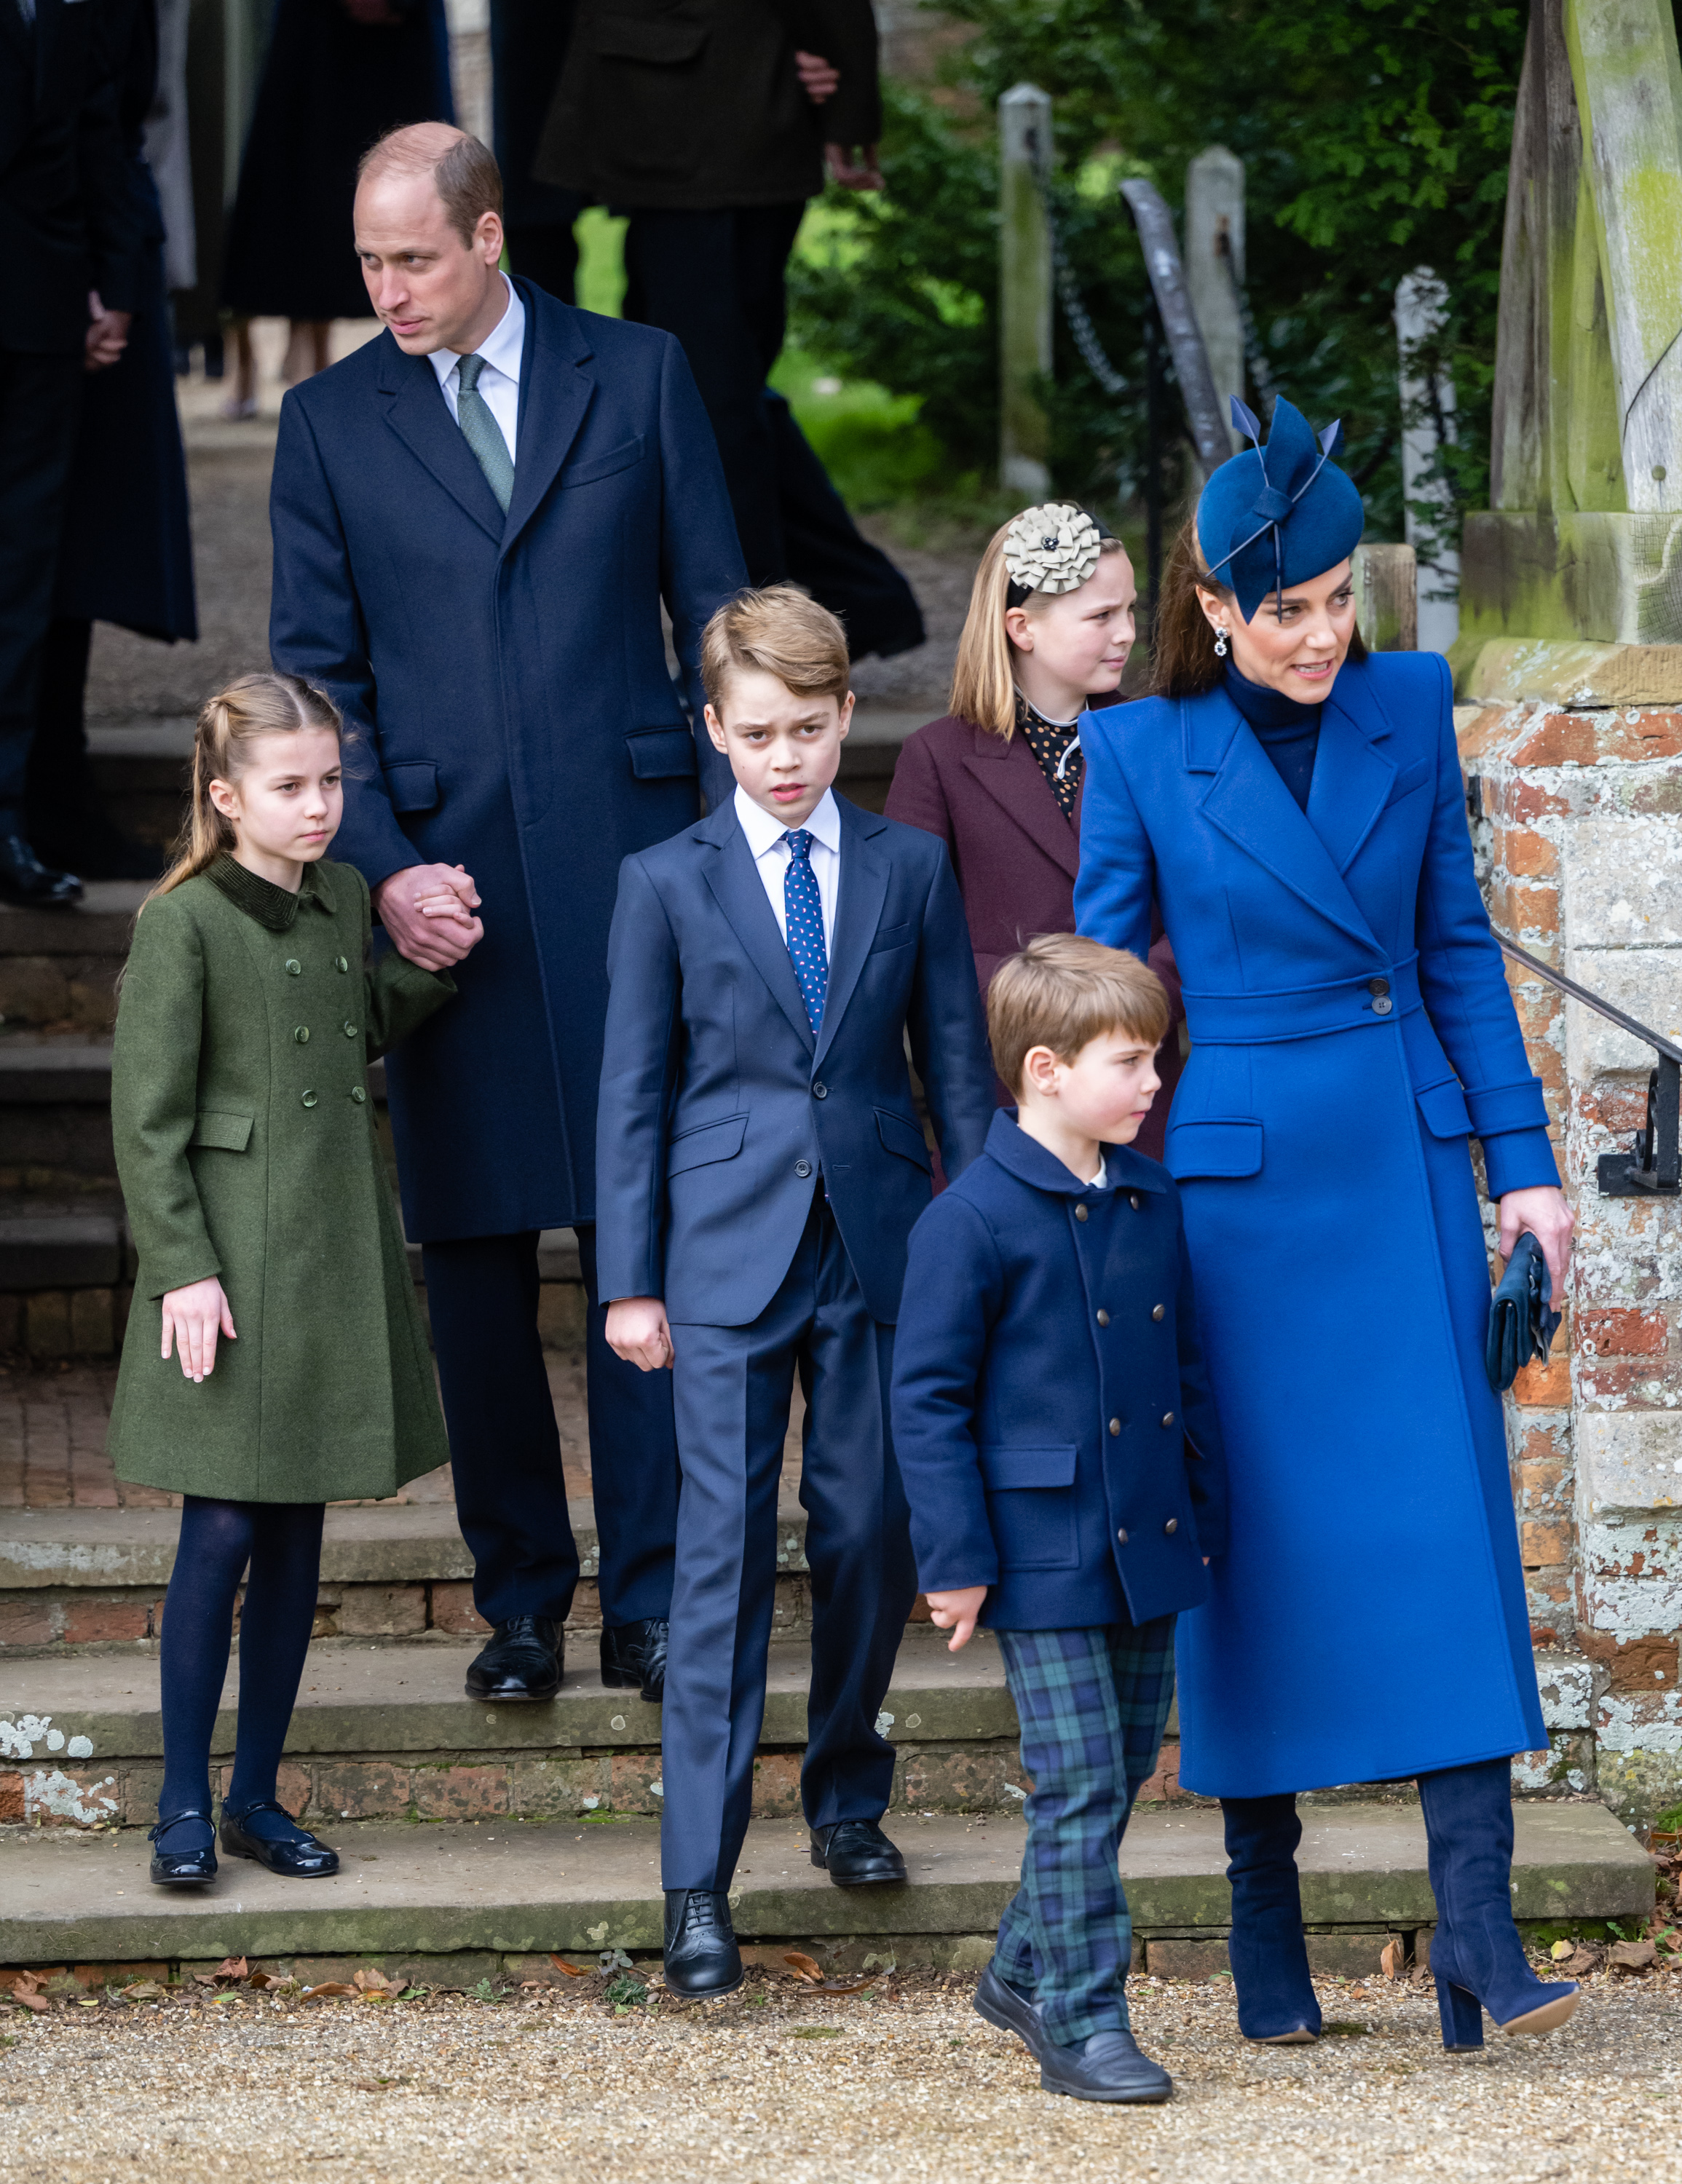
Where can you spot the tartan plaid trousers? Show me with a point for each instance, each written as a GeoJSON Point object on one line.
{"type": "Point", "coordinates": [1091, 1704]}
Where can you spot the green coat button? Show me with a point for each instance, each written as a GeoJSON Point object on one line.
{"type": "Point", "coordinates": [349, 1028]}
{"type": "Point", "coordinates": [294, 968]}
{"type": "Point", "coordinates": [309, 1099]}
{"type": "Point", "coordinates": [357, 1094]}
{"type": "Point", "coordinates": [301, 1034]}
{"type": "Point", "coordinates": [340, 963]}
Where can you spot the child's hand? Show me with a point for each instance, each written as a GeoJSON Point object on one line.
{"type": "Point", "coordinates": [638, 1331]}
{"type": "Point", "coordinates": [192, 1319]}
{"type": "Point", "coordinates": [956, 1612]}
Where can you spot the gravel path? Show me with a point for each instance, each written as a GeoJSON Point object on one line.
{"type": "Point", "coordinates": [905, 2083]}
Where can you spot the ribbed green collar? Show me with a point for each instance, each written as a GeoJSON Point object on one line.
{"type": "Point", "coordinates": [272, 906]}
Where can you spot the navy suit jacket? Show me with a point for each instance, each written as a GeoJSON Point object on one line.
{"type": "Point", "coordinates": [507, 683]}
{"type": "Point", "coordinates": [1052, 1416]}
{"type": "Point", "coordinates": [719, 1107]}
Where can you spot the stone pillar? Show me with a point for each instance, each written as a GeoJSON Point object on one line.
{"type": "Point", "coordinates": [1024, 291]}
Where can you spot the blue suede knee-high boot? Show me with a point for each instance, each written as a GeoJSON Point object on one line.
{"type": "Point", "coordinates": [1269, 1957]}
{"type": "Point", "coordinates": [1476, 1954]}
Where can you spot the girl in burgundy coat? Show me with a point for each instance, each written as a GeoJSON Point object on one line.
{"type": "Point", "coordinates": [998, 777]}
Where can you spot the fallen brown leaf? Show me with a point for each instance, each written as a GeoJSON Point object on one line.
{"type": "Point", "coordinates": [842, 1987]}
{"type": "Point", "coordinates": [231, 1968]}
{"type": "Point", "coordinates": [28, 1996]}
{"type": "Point", "coordinates": [572, 1971]}
{"type": "Point", "coordinates": [1390, 1959]}
{"type": "Point", "coordinates": [260, 1980]}
{"type": "Point", "coordinates": [327, 1989]}
{"type": "Point", "coordinates": [1632, 1956]}
{"type": "Point", "coordinates": [143, 1990]}
{"type": "Point", "coordinates": [803, 1966]}
{"type": "Point", "coordinates": [1584, 1958]}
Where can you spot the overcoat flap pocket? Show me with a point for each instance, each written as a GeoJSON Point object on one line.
{"type": "Point", "coordinates": [661, 754]}
{"type": "Point", "coordinates": [903, 1137]}
{"type": "Point", "coordinates": [1443, 1107]}
{"type": "Point", "coordinates": [230, 1133]}
{"type": "Point", "coordinates": [1229, 1146]}
{"type": "Point", "coordinates": [412, 784]}
{"type": "Point", "coordinates": [1008, 1467]}
{"type": "Point", "coordinates": [600, 467]}
{"type": "Point", "coordinates": [705, 1142]}
{"type": "Point", "coordinates": [664, 41]}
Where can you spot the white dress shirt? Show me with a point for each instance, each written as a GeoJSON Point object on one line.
{"type": "Point", "coordinates": [499, 380]}
{"type": "Point", "coordinates": [770, 852]}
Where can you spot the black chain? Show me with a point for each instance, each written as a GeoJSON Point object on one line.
{"type": "Point", "coordinates": [1068, 289]}
{"type": "Point", "coordinates": [1261, 373]}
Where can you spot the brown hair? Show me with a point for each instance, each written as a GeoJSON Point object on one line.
{"type": "Point", "coordinates": [782, 632]}
{"type": "Point", "coordinates": [464, 171]}
{"type": "Point", "coordinates": [228, 725]}
{"type": "Point", "coordinates": [984, 677]}
{"type": "Point", "coordinates": [1063, 990]}
{"type": "Point", "coordinates": [1183, 657]}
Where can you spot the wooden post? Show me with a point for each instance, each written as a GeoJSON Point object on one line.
{"type": "Point", "coordinates": [1024, 291]}
{"type": "Point", "coordinates": [1155, 225]}
{"type": "Point", "coordinates": [1214, 268]}
{"type": "Point", "coordinates": [1386, 598]}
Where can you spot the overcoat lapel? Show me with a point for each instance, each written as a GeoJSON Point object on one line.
{"type": "Point", "coordinates": [420, 416]}
{"type": "Point", "coordinates": [858, 912]}
{"type": "Point", "coordinates": [1003, 769]}
{"type": "Point", "coordinates": [1252, 807]}
{"type": "Point", "coordinates": [1352, 780]}
{"type": "Point", "coordinates": [555, 389]}
{"type": "Point", "coordinates": [740, 894]}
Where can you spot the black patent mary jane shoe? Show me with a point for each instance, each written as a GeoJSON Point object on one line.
{"type": "Point", "coordinates": [182, 1868]}
{"type": "Point", "coordinates": [297, 1857]}
{"type": "Point", "coordinates": [633, 1657]}
{"type": "Point", "coordinates": [523, 1661]}
{"type": "Point", "coordinates": [856, 1854]}
{"type": "Point", "coordinates": [701, 1960]}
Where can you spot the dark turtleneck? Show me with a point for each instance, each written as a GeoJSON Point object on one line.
{"type": "Point", "coordinates": [1289, 732]}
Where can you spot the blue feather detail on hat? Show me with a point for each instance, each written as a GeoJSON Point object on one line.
{"type": "Point", "coordinates": [1274, 518]}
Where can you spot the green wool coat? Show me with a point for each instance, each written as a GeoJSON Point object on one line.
{"type": "Point", "coordinates": [246, 1146]}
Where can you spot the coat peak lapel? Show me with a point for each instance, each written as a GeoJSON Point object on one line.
{"type": "Point", "coordinates": [858, 912]}
{"type": "Point", "coordinates": [1352, 778]}
{"type": "Point", "coordinates": [555, 390]}
{"type": "Point", "coordinates": [420, 416]}
{"type": "Point", "coordinates": [1005, 777]}
{"type": "Point", "coordinates": [739, 892]}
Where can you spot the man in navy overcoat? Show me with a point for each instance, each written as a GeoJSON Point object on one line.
{"type": "Point", "coordinates": [476, 519]}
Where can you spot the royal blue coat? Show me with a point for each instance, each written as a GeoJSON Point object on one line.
{"type": "Point", "coordinates": [719, 1108]}
{"type": "Point", "coordinates": [1052, 1416]}
{"type": "Point", "coordinates": [507, 681]}
{"type": "Point", "coordinates": [1351, 1025]}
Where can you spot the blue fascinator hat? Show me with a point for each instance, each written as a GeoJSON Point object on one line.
{"type": "Point", "coordinates": [1275, 516]}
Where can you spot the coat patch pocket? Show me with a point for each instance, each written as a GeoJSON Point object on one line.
{"type": "Point", "coordinates": [412, 784]}
{"type": "Point", "coordinates": [1229, 1147]}
{"type": "Point", "coordinates": [1444, 1110]}
{"type": "Point", "coordinates": [706, 1143]}
{"type": "Point", "coordinates": [1030, 1500]}
{"type": "Point", "coordinates": [600, 467]}
{"type": "Point", "coordinates": [662, 754]}
{"type": "Point", "coordinates": [904, 1138]}
{"type": "Point", "coordinates": [229, 1133]}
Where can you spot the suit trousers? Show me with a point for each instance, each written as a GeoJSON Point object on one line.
{"type": "Point", "coordinates": [504, 1447]}
{"type": "Point", "coordinates": [716, 280]}
{"type": "Point", "coordinates": [40, 402]}
{"type": "Point", "coordinates": [732, 1387]}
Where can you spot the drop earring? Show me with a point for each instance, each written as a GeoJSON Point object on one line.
{"type": "Point", "coordinates": [1220, 640]}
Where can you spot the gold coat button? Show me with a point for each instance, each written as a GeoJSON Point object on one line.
{"type": "Point", "coordinates": [357, 1094]}
{"type": "Point", "coordinates": [1114, 1425]}
{"type": "Point", "coordinates": [1080, 1213]}
{"type": "Point", "coordinates": [294, 968]}
{"type": "Point", "coordinates": [1172, 1526]}
{"type": "Point", "coordinates": [349, 1028]}
{"type": "Point", "coordinates": [301, 1034]}
{"type": "Point", "coordinates": [1103, 1316]}
{"type": "Point", "coordinates": [1167, 1418]}
{"type": "Point", "coordinates": [309, 1099]}
{"type": "Point", "coordinates": [1158, 1311]}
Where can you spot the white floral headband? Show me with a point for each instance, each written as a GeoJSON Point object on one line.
{"type": "Point", "coordinates": [1052, 549]}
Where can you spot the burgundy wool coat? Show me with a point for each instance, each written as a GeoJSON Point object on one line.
{"type": "Point", "coordinates": [1016, 856]}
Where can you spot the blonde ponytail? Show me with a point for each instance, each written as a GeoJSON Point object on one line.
{"type": "Point", "coordinates": [228, 724]}
{"type": "Point", "coordinates": [983, 680]}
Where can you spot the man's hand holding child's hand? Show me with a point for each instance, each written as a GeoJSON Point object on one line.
{"type": "Point", "coordinates": [638, 1331]}
{"type": "Point", "coordinates": [956, 1612]}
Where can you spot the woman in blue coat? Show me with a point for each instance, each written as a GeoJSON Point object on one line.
{"type": "Point", "coordinates": [1296, 808]}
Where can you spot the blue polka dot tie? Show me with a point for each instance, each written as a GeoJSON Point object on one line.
{"type": "Point", "coordinates": [802, 913]}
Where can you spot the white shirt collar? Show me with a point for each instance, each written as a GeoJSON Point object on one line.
{"type": "Point", "coordinates": [502, 347]}
{"type": "Point", "coordinates": [765, 830]}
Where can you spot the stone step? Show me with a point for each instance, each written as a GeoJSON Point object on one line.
{"type": "Point", "coordinates": [444, 1900]}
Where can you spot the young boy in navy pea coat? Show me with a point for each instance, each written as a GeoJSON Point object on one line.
{"type": "Point", "coordinates": [1061, 1453]}
{"type": "Point", "coordinates": [760, 1168]}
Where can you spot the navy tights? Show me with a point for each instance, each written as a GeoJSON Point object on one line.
{"type": "Point", "coordinates": [281, 1541]}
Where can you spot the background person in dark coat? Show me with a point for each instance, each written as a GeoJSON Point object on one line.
{"type": "Point", "coordinates": [127, 550]}
{"type": "Point", "coordinates": [711, 125]}
{"type": "Point", "coordinates": [999, 778]}
{"type": "Point", "coordinates": [528, 49]}
{"type": "Point", "coordinates": [70, 242]}
{"type": "Point", "coordinates": [491, 625]}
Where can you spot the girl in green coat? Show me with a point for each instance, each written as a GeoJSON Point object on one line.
{"type": "Point", "coordinates": [275, 1358]}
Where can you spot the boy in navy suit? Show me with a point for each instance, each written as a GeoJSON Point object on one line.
{"type": "Point", "coordinates": [760, 1168]}
{"type": "Point", "coordinates": [1059, 1446]}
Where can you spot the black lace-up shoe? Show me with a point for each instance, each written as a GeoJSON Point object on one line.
{"type": "Point", "coordinates": [24, 880]}
{"type": "Point", "coordinates": [1105, 2067]}
{"type": "Point", "coordinates": [523, 1661]}
{"type": "Point", "coordinates": [702, 1959]}
{"type": "Point", "coordinates": [856, 1854]}
{"type": "Point", "coordinates": [297, 1856]}
{"type": "Point", "coordinates": [633, 1657]}
{"type": "Point", "coordinates": [184, 1868]}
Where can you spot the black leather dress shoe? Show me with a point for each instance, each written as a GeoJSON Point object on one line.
{"type": "Point", "coordinates": [298, 1857]}
{"type": "Point", "coordinates": [857, 1854]}
{"type": "Point", "coordinates": [185, 1868]}
{"type": "Point", "coordinates": [1009, 2009]}
{"type": "Point", "coordinates": [702, 1959]}
{"type": "Point", "coordinates": [523, 1661]}
{"type": "Point", "coordinates": [634, 1655]}
{"type": "Point", "coordinates": [1106, 2067]}
{"type": "Point", "coordinates": [26, 881]}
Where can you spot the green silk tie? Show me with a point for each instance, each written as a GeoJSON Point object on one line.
{"type": "Point", "coordinates": [482, 433]}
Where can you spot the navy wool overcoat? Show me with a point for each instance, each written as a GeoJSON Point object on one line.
{"type": "Point", "coordinates": [507, 680]}
{"type": "Point", "coordinates": [1350, 1026]}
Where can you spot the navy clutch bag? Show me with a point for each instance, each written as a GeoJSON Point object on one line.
{"type": "Point", "coordinates": [1521, 1326]}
